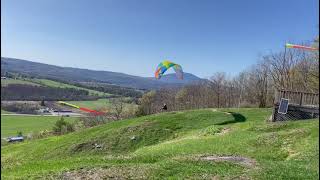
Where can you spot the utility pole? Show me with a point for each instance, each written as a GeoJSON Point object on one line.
{"type": "Point", "coordinates": [283, 66]}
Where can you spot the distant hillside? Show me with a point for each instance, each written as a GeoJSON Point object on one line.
{"type": "Point", "coordinates": [41, 70]}
{"type": "Point", "coordinates": [49, 83]}
{"type": "Point", "coordinates": [172, 79]}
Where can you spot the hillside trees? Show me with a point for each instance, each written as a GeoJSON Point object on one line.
{"type": "Point", "coordinates": [257, 84]}
{"type": "Point", "coordinates": [217, 84]}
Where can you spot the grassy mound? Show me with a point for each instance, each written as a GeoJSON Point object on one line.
{"type": "Point", "coordinates": [170, 145]}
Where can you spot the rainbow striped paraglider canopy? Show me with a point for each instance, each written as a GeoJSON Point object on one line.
{"type": "Point", "coordinates": [164, 66]}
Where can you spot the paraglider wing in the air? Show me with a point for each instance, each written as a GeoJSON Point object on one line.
{"type": "Point", "coordinates": [165, 65]}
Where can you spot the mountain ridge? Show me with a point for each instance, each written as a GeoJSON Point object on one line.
{"type": "Point", "coordinates": [86, 75]}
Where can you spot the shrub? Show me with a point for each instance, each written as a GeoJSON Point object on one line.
{"type": "Point", "coordinates": [78, 125]}
{"type": "Point", "coordinates": [42, 103]}
{"type": "Point", "coordinates": [93, 120]}
{"type": "Point", "coordinates": [140, 112]}
{"type": "Point", "coordinates": [63, 127]}
{"type": "Point", "coordinates": [40, 134]}
{"type": "Point", "coordinates": [130, 111]}
{"type": "Point", "coordinates": [19, 134]}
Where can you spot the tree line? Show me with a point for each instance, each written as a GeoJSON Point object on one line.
{"type": "Point", "coordinates": [290, 69]}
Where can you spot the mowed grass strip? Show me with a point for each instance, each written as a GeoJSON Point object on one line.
{"type": "Point", "coordinates": [11, 124]}
{"type": "Point", "coordinates": [51, 83]}
{"type": "Point", "coordinates": [5, 82]}
{"type": "Point", "coordinates": [168, 146]}
{"type": "Point", "coordinates": [100, 103]}
{"type": "Point", "coordinates": [5, 112]}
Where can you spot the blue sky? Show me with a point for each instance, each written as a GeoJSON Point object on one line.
{"type": "Point", "coordinates": [133, 36]}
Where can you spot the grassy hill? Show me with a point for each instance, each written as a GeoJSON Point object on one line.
{"type": "Point", "coordinates": [173, 145]}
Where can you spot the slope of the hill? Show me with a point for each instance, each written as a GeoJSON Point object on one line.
{"type": "Point", "coordinates": [174, 145]}
{"type": "Point", "coordinates": [85, 75]}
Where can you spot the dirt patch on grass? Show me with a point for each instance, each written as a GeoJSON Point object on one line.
{"type": "Point", "coordinates": [291, 154]}
{"type": "Point", "coordinates": [138, 127]}
{"type": "Point", "coordinates": [224, 131]}
{"type": "Point", "coordinates": [107, 173]}
{"type": "Point", "coordinates": [86, 146]}
{"type": "Point", "coordinates": [234, 159]}
{"type": "Point", "coordinates": [214, 130]}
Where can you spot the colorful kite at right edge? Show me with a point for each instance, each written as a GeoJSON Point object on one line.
{"type": "Point", "coordinates": [300, 47]}
{"type": "Point", "coordinates": [164, 66]}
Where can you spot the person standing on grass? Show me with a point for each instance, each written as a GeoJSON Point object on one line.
{"type": "Point", "coordinates": [164, 107]}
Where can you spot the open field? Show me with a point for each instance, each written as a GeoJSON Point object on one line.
{"type": "Point", "coordinates": [5, 82]}
{"type": "Point", "coordinates": [49, 83]}
{"type": "Point", "coordinates": [11, 125]}
{"type": "Point", "coordinates": [5, 112]}
{"type": "Point", "coordinates": [174, 145]}
{"type": "Point", "coordinates": [100, 103]}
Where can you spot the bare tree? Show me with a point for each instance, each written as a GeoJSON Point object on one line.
{"type": "Point", "coordinates": [217, 83]}
{"type": "Point", "coordinates": [147, 103]}
{"type": "Point", "coordinates": [117, 106]}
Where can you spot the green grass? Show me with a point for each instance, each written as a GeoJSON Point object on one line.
{"type": "Point", "coordinates": [167, 146]}
{"type": "Point", "coordinates": [51, 83]}
{"type": "Point", "coordinates": [5, 82]}
{"type": "Point", "coordinates": [100, 103]}
{"type": "Point", "coordinates": [5, 112]}
{"type": "Point", "coordinates": [11, 125]}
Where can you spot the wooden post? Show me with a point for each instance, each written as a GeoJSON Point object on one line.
{"type": "Point", "coordinates": [301, 96]}
{"type": "Point", "coordinates": [273, 116]}
{"type": "Point", "coordinates": [312, 99]}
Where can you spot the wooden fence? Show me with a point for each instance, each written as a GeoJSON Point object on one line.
{"type": "Point", "coordinates": [302, 105]}
{"type": "Point", "coordinates": [298, 98]}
